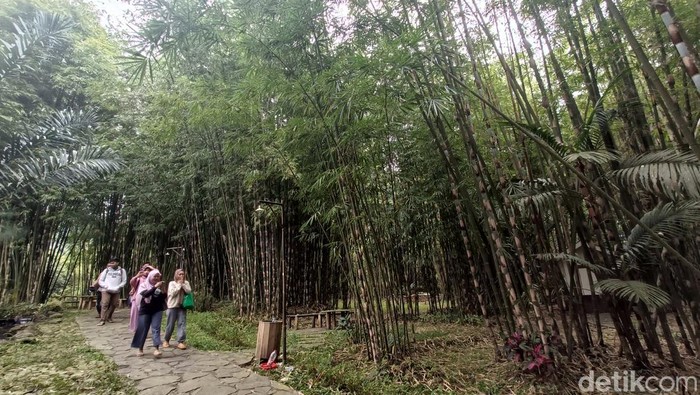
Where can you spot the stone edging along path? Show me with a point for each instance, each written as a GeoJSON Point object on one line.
{"type": "Point", "coordinates": [176, 371]}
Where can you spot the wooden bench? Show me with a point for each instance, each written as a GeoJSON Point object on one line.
{"type": "Point", "coordinates": [70, 301]}
{"type": "Point", "coordinates": [331, 317]}
{"type": "Point", "coordinates": [87, 302]}
{"type": "Point", "coordinates": [294, 318]}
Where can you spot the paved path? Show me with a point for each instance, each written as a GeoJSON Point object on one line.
{"type": "Point", "coordinates": [176, 371]}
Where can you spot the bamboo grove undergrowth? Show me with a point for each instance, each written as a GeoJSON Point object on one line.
{"type": "Point", "coordinates": [532, 162]}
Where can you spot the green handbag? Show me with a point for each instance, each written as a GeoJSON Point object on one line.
{"type": "Point", "coordinates": [188, 301]}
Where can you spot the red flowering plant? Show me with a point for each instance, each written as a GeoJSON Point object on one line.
{"type": "Point", "coordinates": [529, 352]}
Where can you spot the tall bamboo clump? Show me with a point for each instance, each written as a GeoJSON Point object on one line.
{"type": "Point", "coordinates": [510, 161]}
{"type": "Point", "coordinates": [554, 179]}
{"type": "Point", "coordinates": [423, 145]}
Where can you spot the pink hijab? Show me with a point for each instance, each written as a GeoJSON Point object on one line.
{"type": "Point", "coordinates": [147, 285]}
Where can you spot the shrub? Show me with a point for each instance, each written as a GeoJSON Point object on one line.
{"type": "Point", "coordinates": [529, 351]}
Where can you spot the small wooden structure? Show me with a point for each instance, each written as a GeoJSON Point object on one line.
{"type": "Point", "coordinates": [294, 319]}
{"type": "Point", "coordinates": [87, 302]}
{"type": "Point", "coordinates": [71, 302]}
{"type": "Point", "coordinates": [329, 317]}
{"type": "Point", "coordinates": [269, 336]}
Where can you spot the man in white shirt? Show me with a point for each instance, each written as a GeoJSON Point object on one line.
{"type": "Point", "coordinates": [111, 280]}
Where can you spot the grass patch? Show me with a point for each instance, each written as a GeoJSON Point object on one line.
{"type": "Point", "coordinates": [446, 358]}
{"type": "Point", "coordinates": [429, 334]}
{"type": "Point", "coordinates": [218, 330]}
{"type": "Point", "coordinates": [337, 367]}
{"type": "Point", "coordinates": [58, 361]}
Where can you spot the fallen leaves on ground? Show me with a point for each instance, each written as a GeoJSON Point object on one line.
{"type": "Point", "coordinates": [58, 361]}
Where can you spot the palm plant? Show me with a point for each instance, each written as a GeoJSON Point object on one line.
{"type": "Point", "coordinates": [42, 148]}
{"type": "Point", "coordinates": [641, 277]}
{"type": "Point", "coordinates": [51, 154]}
{"type": "Point", "coordinates": [51, 149]}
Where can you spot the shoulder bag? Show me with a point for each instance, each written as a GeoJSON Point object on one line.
{"type": "Point", "coordinates": [188, 301]}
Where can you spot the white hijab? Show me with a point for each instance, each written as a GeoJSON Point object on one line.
{"type": "Point", "coordinates": [147, 285]}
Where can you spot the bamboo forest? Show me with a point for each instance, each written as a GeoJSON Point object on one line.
{"type": "Point", "coordinates": [495, 196]}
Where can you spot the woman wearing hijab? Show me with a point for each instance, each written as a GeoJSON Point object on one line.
{"type": "Point", "coordinates": [176, 313]}
{"type": "Point", "coordinates": [153, 298]}
{"type": "Point", "coordinates": [135, 296]}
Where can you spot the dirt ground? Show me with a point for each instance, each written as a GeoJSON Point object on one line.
{"type": "Point", "coordinates": [461, 359]}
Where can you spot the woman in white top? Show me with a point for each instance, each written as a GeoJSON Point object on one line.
{"type": "Point", "coordinates": [176, 293]}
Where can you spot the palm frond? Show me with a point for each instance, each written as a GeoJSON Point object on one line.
{"type": "Point", "coordinates": [597, 119]}
{"type": "Point", "coordinates": [543, 133]}
{"type": "Point", "coordinates": [598, 157]}
{"type": "Point", "coordinates": [541, 200]}
{"type": "Point", "coordinates": [669, 221]}
{"type": "Point", "coordinates": [635, 291]}
{"type": "Point", "coordinates": [85, 164]}
{"type": "Point", "coordinates": [668, 173]}
{"type": "Point", "coordinates": [59, 167]}
{"type": "Point", "coordinates": [574, 259]}
{"type": "Point", "coordinates": [46, 29]}
{"type": "Point", "coordinates": [62, 129]}
{"type": "Point", "coordinates": [591, 137]}
{"type": "Point", "coordinates": [69, 122]}
{"type": "Point", "coordinates": [542, 193]}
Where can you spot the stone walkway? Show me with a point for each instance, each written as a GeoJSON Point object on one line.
{"type": "Point", "coordinates": [176, 371]}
